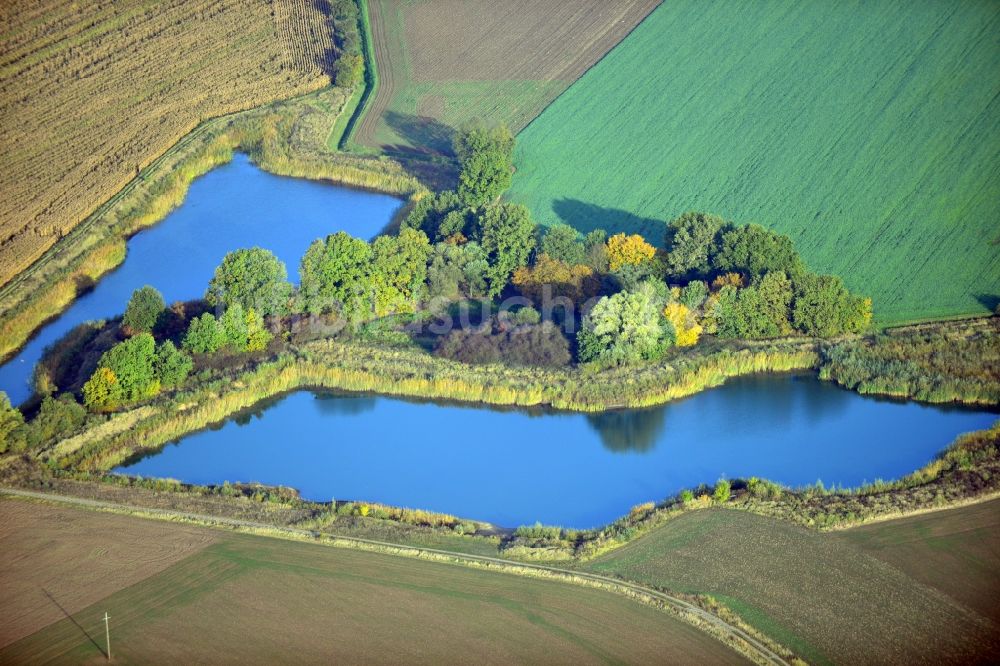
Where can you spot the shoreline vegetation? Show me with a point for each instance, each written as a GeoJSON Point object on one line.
{"type": "Point", "coordinates": [966, 471]}
{"type": "Point", "coordinates": [285, 138]}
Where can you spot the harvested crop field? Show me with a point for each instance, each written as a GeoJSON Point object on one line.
{"type": "Point", "coordinates": [90, 92]}
{"type": "Point", "coordinates": [819, 594]}
{"type": "Point", "coordinates": [442, 62]}
{"type": "Point", "coordinates": [55, 558]}
{"type": "Point", "coordinates": [258, 599]}
{"type": "Point", "coordinates": [955, 551]}
{"type": "Point", "coordinates": [868, 132]}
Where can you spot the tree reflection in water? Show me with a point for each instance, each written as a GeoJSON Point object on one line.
{"type": "Point", "coordinates": [629, 431]}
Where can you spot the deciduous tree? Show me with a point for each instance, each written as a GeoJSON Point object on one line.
{"type": "Point", "coordinates": [254, 278]}
{"type": "Point", "coordinates": [144, 310]}
{"type": "Point", "coordinates": [628, 251]}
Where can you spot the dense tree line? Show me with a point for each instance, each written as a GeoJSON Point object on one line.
{"type": "Point", "coordinates": [632, 301]}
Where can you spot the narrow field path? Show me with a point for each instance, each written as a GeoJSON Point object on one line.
{"type": "Point", "coordinates": [365, 131]}
{"type": "Point", "coordinates": [762, 652]}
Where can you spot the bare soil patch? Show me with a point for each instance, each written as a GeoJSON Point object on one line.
{"type": "Point", "coordinates": [58, 560]}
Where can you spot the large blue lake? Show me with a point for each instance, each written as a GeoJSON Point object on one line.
{"type": "Point", "coordinates": [234, 206]}
{"type": "Point", "coordinates": [516, 467]}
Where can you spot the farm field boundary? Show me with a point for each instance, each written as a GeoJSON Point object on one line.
{"type": "Point", "coordinates": [734, 636]}
{"type": "Point", "coordinates": [875, 153]}
{"type": "Point", "coordinates": [441, 64]}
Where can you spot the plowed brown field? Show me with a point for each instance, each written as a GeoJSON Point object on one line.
{"type": "Point", "coordinates": [56, 560]}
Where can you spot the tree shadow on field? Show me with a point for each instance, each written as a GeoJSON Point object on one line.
{"type": "Point", "coordinates": [75, 623]}
{"type": "Point", "coordinates": [989, 301]}
{"type": "Point", "coordinates": [586, 217]}
{"type": "Point", "coordinates": [427, 136]}
{"type": "Point", "coordinates": [428, 156]}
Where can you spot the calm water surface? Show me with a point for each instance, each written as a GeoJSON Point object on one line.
{"type": "Point", "coordinates": [515, 467]}
{"type": "Point", "coordinates": [234, 206]}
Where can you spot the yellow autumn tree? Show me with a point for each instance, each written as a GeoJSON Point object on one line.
{"type": "Point", "coordinates": [628, 250]}
{"type": "Point", "coordinates": [575, 282]}
{"type": "Point", "coordinates": [727, 280]}
{"type": "Point", "coordinates": [686, 325]}
{"type": "Point", "coordinates": [102, 392]}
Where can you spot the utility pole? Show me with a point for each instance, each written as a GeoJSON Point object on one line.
{"type": "Point", "coordinates": [107, 634]}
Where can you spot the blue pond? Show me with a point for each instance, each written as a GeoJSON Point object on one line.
{"type": "Point", "coordinates": [234, 206]}
{"type": "Point", "coordinates": [517, 467]}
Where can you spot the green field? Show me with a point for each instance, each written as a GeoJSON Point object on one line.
{"type": "Point", "coordinates": [231, 598]}
{"type": "Point", "coordinates": [867, 131]}
{"type": "Point", "coordinates": [836, 598]}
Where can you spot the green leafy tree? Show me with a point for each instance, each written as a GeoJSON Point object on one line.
{"type": "Point", "coordinates": [254, 278]}
{"type": "Point", "coordinates": [722, 491]}
{"type": "Point", "coordinates": [694, 294]}
{"type": "Point", "coordinates": [11, 423]}
{"type": "Point", "coordinates": [349, 70]}
{"type": "Point", "coordinates": [133, 365]}
{"type": "Point", "coordinates": [144, 310]}
{"type": "Point", "coordinates": [754, 250]}
{"type": "Point", "coordinates": [428, 215]}
{"type": "Point", "coordinates": [758, 311]}
{"type": "Point", "coordinates": [335, 276]}
{"type": "Point", "coordinates": [57, 419]}
{"type": "Point", "coordinates": [626, 327]}
{"type": "Point", "coordinates": [456, 270]}
{"type": "Point", "coordinates": [399, 270]}
{"type": "Point", "coordinates": [172, 366]}
{"type": "Point", "coordinates": [486, 158]}
{"type": "Point", "coordinates": [823, 307]}
{"type": "Point", "coordinates": [234, 326]}
{"type": "Point", "coordinates": [507, 236]}
{"type": "Point", "coordinates": [562, 242]}
{"type": "Point", "coordinates": [691, 240]}
{"type": "Point", "coordinates": [204, 335]}
{"type": "Point", "coordinates": [595, 245]}
{"type": "Point", "coordinates": [258, 337]}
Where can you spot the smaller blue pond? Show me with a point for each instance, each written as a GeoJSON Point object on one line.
{"type": "Point", "coordinates": [516, 467]}
{"type": "Point", "coordinates": [234, 206]}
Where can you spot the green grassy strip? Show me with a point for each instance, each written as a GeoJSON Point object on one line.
{"type": "Point", "coordinates": [338, 133]}
{"type": "Point", "coordinates": [371, 77]}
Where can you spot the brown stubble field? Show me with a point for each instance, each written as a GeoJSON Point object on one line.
{"type": "Point", "coordinates": [442, 62]}
{"type": "Point", "coordinates": [249, 598]}
{"type": "Point", "coordinates": [92, 91]}
{"type": "Point", "coordinates": [821, 594]}
{"type": "Point", "coordinates": [956, 552]}
{"type": "Point", "coordinates": [54, 559]}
